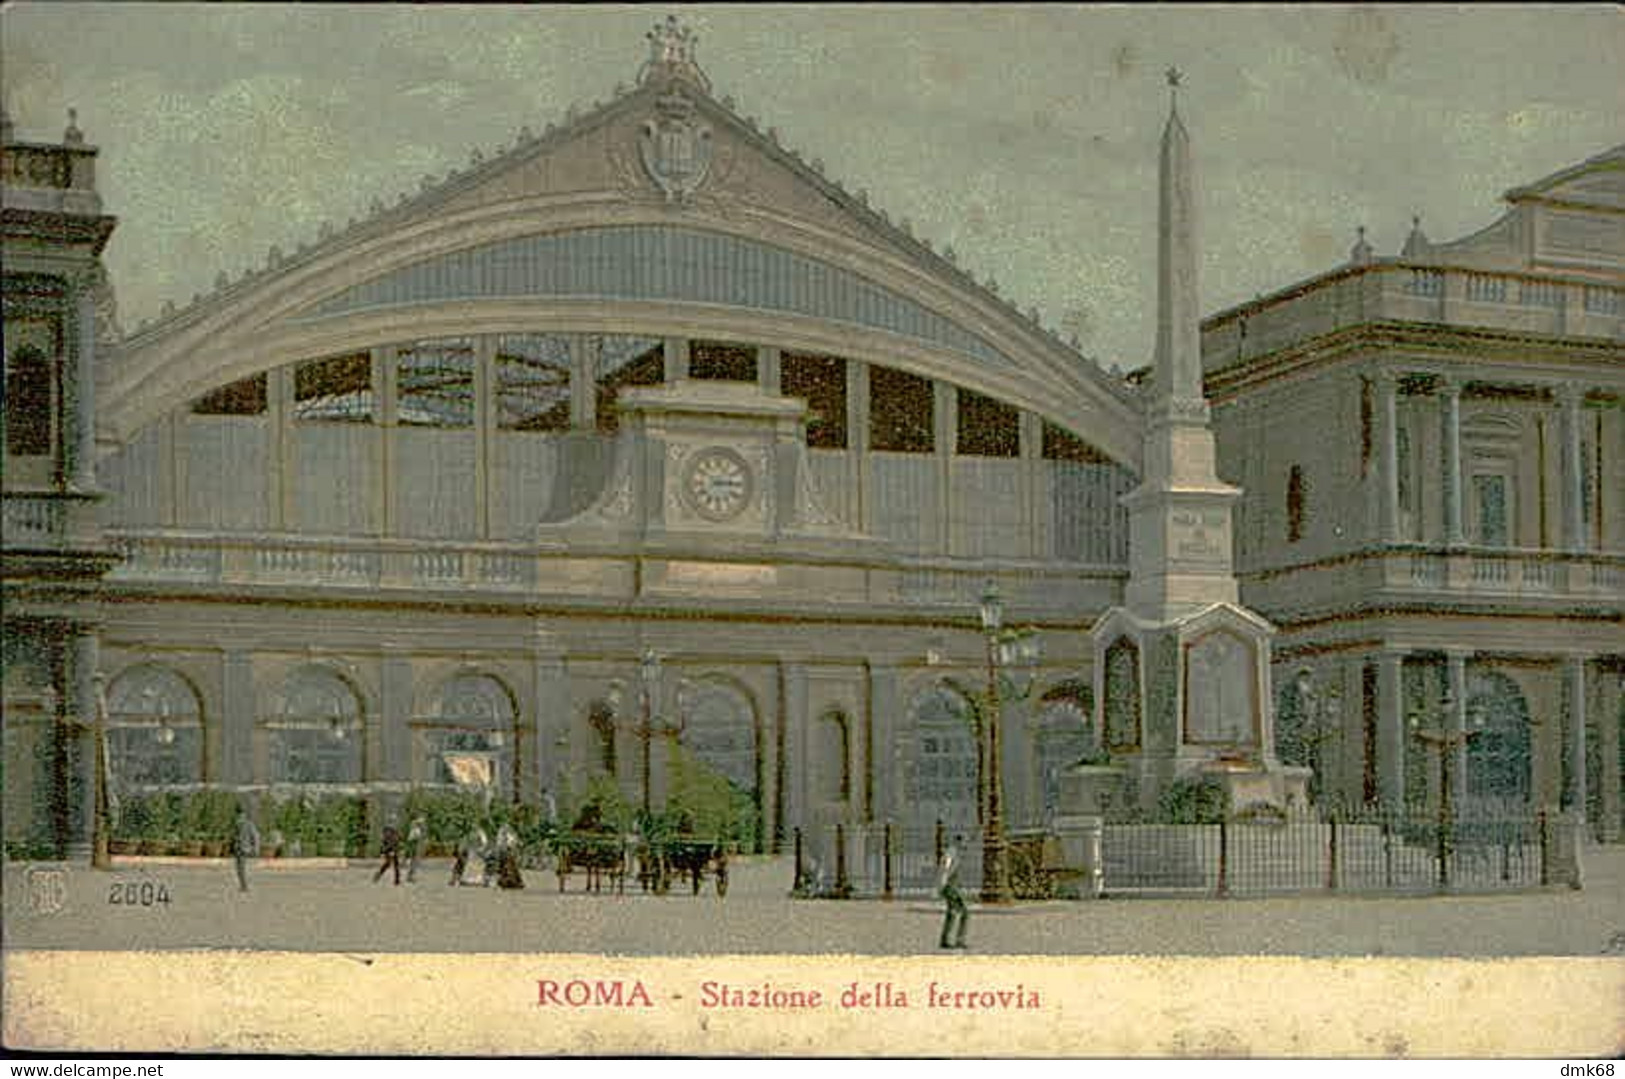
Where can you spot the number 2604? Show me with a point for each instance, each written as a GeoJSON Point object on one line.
{"type": "Point", "coordinates": [129, 893]}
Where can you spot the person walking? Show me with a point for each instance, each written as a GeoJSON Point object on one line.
{"type": "Point", "coordinates": [391, 852]}
{"type": "Point", "coordinates": [508, 873]}
{"type": "Point", "coordinates": [416, 836]}
{"type": "Point", "coordinates": [245, 844]}
{"type": "Point", "coordinates": [472, 844]}
{"type": "Point", "coordinates": [955, 917]}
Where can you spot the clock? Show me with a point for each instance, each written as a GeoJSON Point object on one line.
{"type": "Point", "coordinates": [717, 483]}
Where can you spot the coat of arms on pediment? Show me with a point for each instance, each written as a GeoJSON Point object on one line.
{"type": "Point", "coordinates": [676, 147]}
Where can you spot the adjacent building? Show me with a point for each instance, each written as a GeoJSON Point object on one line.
{"type": "Point", "coordinates": [1432, 450]}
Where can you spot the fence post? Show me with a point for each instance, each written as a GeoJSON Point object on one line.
{"type": "Point", "coordinates": [1387, 850]}
{"type": "Point", "coordinates": [937, 850]}
{"type": "Point", "coordinates": [796, 887]}
{"type": "Point", "coordinates": [886, 890]}
{"type": "Point", "coordinates": [1331, 865]}
{"type": "Point", "coordinates": [1545, 848]}
{"type": "Point", "coordinates": [1224, 857]}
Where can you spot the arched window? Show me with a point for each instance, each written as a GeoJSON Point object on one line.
{"type": "Point", "coordinates": [720, 729]}
{"type": "Point", "coordinates": [467, 738]}
{"type": "Point", "coordinates": [316, 735]}
{"type": "Point", "coordinates": [154, 729]}
{"type": "Point", "coordinates": [1062, 739]}
{"type": "Point", "coordinates": [835, 755]}
{"type": "Point", "coordinates": [1296, 508]}
{"type": "Point", "coordinates": [29, 415]}
{"type": "Point", "coordinates": [945, 761]}
{"type": "Point", "coordinates": [1498, 756]}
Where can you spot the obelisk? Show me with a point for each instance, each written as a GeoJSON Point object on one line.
{"type": "Point", "coordinates": [1182, 679]}
{"type": "Point", "coordinates": [1179, 516]}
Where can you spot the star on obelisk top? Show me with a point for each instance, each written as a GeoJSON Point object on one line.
{"type": "Point", "coordinates": [1177, 370]}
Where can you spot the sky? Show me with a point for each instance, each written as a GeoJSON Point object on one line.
{"type": "Point", "coordinates": [1025, 137]}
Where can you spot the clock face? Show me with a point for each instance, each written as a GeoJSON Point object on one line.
{"type": "Point", "coordinates": [717, 484]}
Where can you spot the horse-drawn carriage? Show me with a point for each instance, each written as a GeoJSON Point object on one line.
{"type": "Point", "coordinates": [664, 860]}
{"type": "Point", "coordinates": [602, 856]}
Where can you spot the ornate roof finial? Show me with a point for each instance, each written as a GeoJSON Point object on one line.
{"type": "Point", "coordinates": [73, 136]}
{"type": "Point", "coordinates": [1416, 244]}
{"type": "Point", "coordinates": [1360, 253]}
{"type": "Point", "coordinates": [1174, 76]}
{"type": "Point", "coordinates": [671, 55]}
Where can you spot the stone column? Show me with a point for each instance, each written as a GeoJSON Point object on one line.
{"type": "Point", "coordinates": [1569, 396]}
{"type": "Point", "coordinates": [1388, 455]}
{"type": "Point", "coordinates": [584, 351]}
{"type": "Point", "coordinates": [857, 440]}
{"type": "Point", "coordinates": [772, 758]}
{"type": "Point", "coordinates": [169, 455]}
{"type": "Point", "coordinates": [767, 369]}
{"type": "Point", "coordinates": [948, 533]}
{"type": "Point", "coordinates": [396, 707]}
{"type": "Point", "coordinates": [797, 758]}
{"type": "Point", "coordinates": [279, 458]}
{"type": "Point", "coordinates": [1032, 483]}
{"type": "Point", "coordinates": [1450, 407]}
{"type": "Point", "coordinates": [1574, 753]}
{"type": "Point", "coordinates": [1390, 730]}
{"type": "Point", "coordinates": [238, 712]}
{"type": "Point", "coordinates": [675, 357]}
{"type": "Point", "coordinates": [550, 702]}
{"type": "Point", "coordinates": [84, 460]}
{"type": "Point", "coordinates": [1455, 720]}
{"type": "Point", "coordinates": [385, 372]}
{"type": "Point", "coordinates": [86, 662]}
{"type": "Point", "coordinates": [884, 779]}
{"type": "Point", "coordinates": [485, 425]}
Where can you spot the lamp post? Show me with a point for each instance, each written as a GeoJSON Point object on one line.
{"type": "Point", "coordinates": [648, 727]}
{"type": "Point", "coordinates": [1005, 649]}
{"type": "Point", "coordinates": [1444, 743]}
{"type": "Point", "coordinates": [100, 857]}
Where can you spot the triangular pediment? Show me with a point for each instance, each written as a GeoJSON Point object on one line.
{"type": "Point", "coordinates": [661, 207]}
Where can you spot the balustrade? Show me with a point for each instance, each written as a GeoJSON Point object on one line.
{"type": "Point", "coordinates": [1486, 288]}
{"type": "Point", "coordinates": [35, 522]}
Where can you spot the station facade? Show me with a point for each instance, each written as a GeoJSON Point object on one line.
{"type": "Point", "coordinates": [649, 383]}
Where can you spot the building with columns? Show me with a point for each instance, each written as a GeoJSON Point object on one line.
{"type": "Point", "coordinates": [1432, 449]}
{"type": "Point", "coordinates": [433, 483]}
{"type": "Point", "coordinates": [57, 315]}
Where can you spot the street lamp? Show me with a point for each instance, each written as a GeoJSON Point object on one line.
{"type": "Point", "coordinates": [649, 727]}
{"type": "Point", "coordinates": [1008, 649]}
{"type": "Point", "coordinates": [1444, 743]}
{"type": "Point", "coordinates": [100, 856]}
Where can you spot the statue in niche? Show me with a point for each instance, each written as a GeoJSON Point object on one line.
{"type": "Point", "coordinates": [1122, 695]}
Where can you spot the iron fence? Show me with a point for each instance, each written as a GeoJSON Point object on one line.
{"type": "Point", "coordinates": [1410, 850]}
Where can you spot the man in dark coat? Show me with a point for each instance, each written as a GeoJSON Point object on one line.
{"type": "Point", "coordinates": [392, 852]}
{"type": "Point", "coordinates": [954, 919]}
{"type": "Point", "coordinates": [245, 844]}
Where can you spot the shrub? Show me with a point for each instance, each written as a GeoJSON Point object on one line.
{"type": "Point", "coordinates": [1193, 801]}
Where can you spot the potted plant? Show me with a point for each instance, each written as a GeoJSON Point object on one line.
{"type": "Point", "coordinates": [159, 835]}
{"type": "Point", "coordinates": [219, 822]}
{"type": "Point", "coordinates": [129, 827]}
{"type": "Point", "coordinates": [194, 817]}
